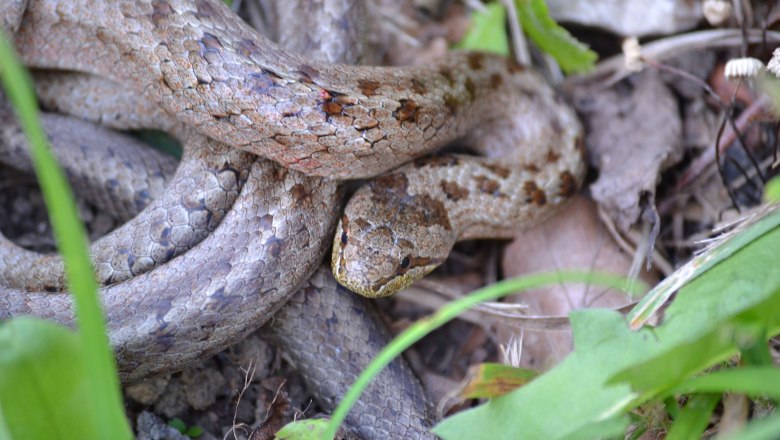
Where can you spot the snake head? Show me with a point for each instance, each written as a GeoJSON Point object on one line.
{"type": "Point", "coordinates": [384, 242]}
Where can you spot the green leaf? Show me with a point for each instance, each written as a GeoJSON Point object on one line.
{"type": "Point", "coordinates": [772, 191]}
{"type": "Point", "coordinates": [194, 432]}
{"type": "Point", "coordinates": [754, 381]}
{"type": "Point", "coordinates": [103, 399]}
{"type": "Point", "coordinates": [614, 369]}
{"type": "Point", "coordinates": [424, 326]}
{"type": "Point", "coordinates": [487, 31]}
{"type": "Point", "coordinates": [694, 417]}
{"type": "Point", "coordinates": [572, 55]}
{"type": "Point", "coordinates": [493, 380]}
{"type": "Point", "coordinates": [309, 429]}
{"type": "Point", "coordinates": [699, 265]}
{"type": "Point", "coordinates": [177, 424]}
{"type": "Point", "coordinates": [570, 397]}
{"type": "Point", "coordinates": [44, 383]}
{"type": "Point", "coordinates": [767, 428]}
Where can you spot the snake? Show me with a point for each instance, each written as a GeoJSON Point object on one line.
{"type": "Point", "coordinates": [320, 123]}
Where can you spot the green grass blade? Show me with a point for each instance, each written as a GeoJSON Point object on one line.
{"type": "Point", "coordinates": [5, 434]}
{"type": "Point", "coordinates": [450, 311]}
{"type": "Point", "coordinates": [700, 264]}
{"type": "Point", "coordinates": [772, 190]}
{"type": "Point", "coordinates": [694, 418]}
{"type": "Point", "coordinates": [72, 242]}
{"type": "Point", "coordinates": [754, 381]}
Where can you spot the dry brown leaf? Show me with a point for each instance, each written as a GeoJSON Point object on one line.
{"type": "Point", "coordinates": [573, 239]}
{"type": "Point", "coordinates": [634, 133]}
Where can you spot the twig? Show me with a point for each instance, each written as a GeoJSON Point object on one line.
{"type": "Point", "coordinates": [519, 44]}
{"type": "Point", "coordinates": [670, 47]}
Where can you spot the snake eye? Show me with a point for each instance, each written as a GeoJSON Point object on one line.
{"type": "Point", "coordinates": [343, 238]}
{"type": "Point", "coordinates": [405, 262]}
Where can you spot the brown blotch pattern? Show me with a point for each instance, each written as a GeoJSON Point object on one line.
{"type": "Point", "coordinates": [531, 167]}
{"type": "Point", "coordinates": [568, 184]}
{"type": "Point", "coordinates": [453, 190]}
{"type": "Point", "coordinates": [210, 43]}
{"type": "Point", "coordinates": [275, 246]}
{"type": "Point", "coordinates": [204, 10]}
{"type": "Point", "coordinates": [447, 76]}
{"type": "Point", "coordinates": [418, 87]}
{"type": "Point", "coordinates": [579, 143]}
{"type": "Point", "coordinates": [423, 210]}
{"type": "Point", "coordinates": [495, 81]}
{"type": "Point", "coordinates": [332, 108]}
{"type": "Point", "coordinates": [552, 156]}
{"type": "Point", "coordinates": [280, 173]}
{"type": "Point", "coordinates": [475, 60]}
{"type": "Point", "coordinates": [513, 66]}
{"type": "Point", "coordinates": [160, 10]}
{"type": "Point", "coordinates": [407, 111]}
{"type": "Point", "coordinates": [368, 87]}
{"type": "Point", "coordinates": [308, 73]}
{"type": "Point", "coordinates": [471, 89]}
{"type": "Point", "coordinates": [261, 81]}
{"type": "Point", "coordinates": [247, 47]}
{"type": "Point", "coordinates": [396, 183]}
{"type": "Point", "coordinates": [437, 161]}
{"type": "Point", "coordinates": [299, 193]}
{"type": "Point", "coordinates": [498, 170]}
{"type": "Point", "coordinates": [487, 185]}
{"type": "Point", "coordinates": [452, 103]}
{"type": "Point", "coordinates": [333, 102]}
{"type": "Point", "coordinates": [427, 211]}
{"type": "Point", "coordinates": [535, 194]}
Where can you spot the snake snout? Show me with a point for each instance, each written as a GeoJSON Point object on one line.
{"type": "Point", "coordinates": [377, 260]}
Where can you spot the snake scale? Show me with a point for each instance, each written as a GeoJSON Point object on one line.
{"type": "Point", "coordinates": [199, 62]}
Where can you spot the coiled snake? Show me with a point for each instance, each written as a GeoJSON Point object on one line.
{"type": "Point", "coordinates": [201, 63]}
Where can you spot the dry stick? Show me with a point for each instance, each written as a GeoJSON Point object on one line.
{"type": "Point", "coordinates": [669, 47]}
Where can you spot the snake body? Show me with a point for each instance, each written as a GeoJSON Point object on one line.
{"type": "Point", "coordinates": [198, 196]}
{"type": "Point", "coordinates": [197, 61]}
{"type": "Point", "coordinates": [209, 68]}
{"type": "Point", "coordinates": [401, 226]}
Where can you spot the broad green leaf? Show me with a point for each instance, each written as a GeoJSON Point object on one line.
{"type": "Point", "coordinates": [43, 385]}
{"type": "Point", "coordinates": [309, 429]}
{"type": "Point", "coordinates": [715, 315]}
{"type": "Point", "coordinates": [493, 380]}
{"type": "Point", "coordinates": [487, 31]}
{"type": "Point", "coordinates": [694, 418]}
{"type": "Point", "coordinates": [573, 56]}
{"type": "Point", "coordinates": [703, 326]}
